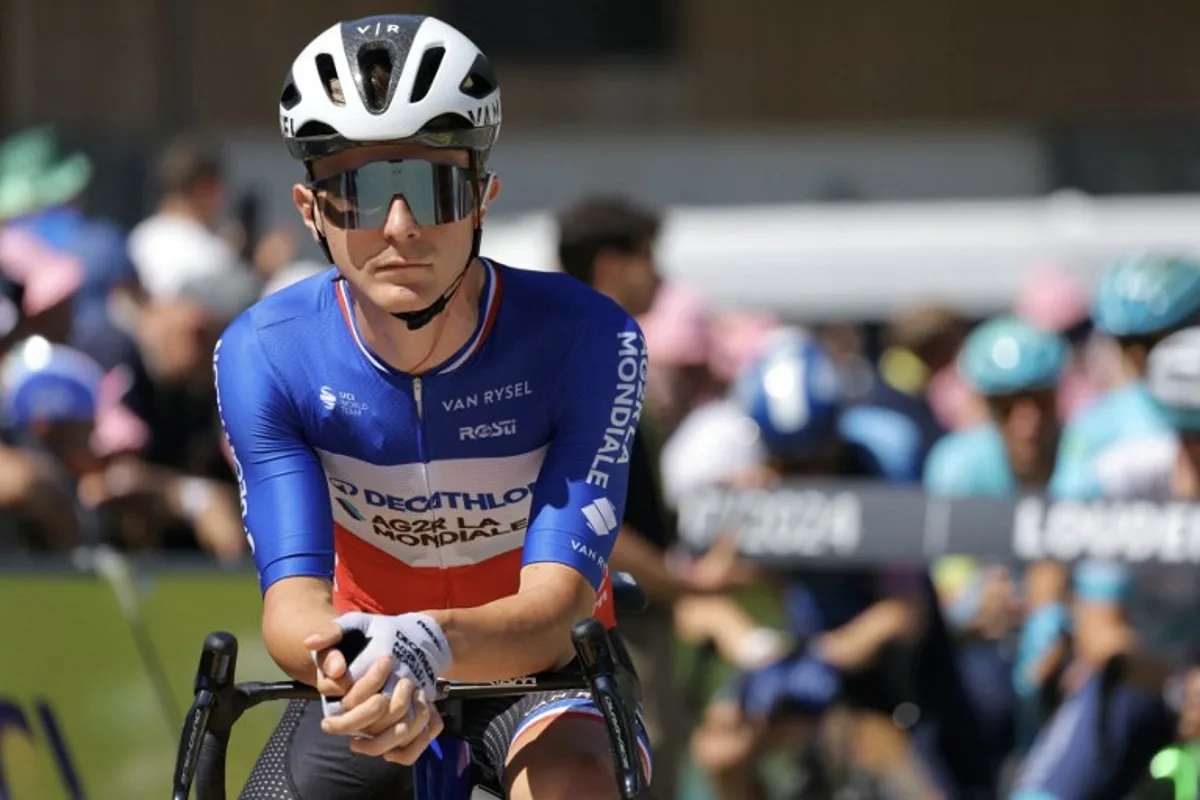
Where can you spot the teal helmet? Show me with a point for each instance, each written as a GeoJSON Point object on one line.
{"type": "Point", "coordinates": [1147, 294]}
{"type": "Point", "coordinates": [1005, 356]}
{"type": "Point", "coordinates": [1173, 378]}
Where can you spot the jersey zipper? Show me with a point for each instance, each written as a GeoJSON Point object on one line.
{"type": "Point", "coordinates": [418, 398]}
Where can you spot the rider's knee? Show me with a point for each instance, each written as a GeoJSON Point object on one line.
{"type": "Point", "coordinates": [563, 766]}
{"type": "Point", "coordinates": [574, 774]}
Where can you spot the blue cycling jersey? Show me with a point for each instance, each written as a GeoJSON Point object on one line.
{"type": "Point", "coordinates": [1120, 415]}
{"type": "Point", "coordinates": [970, 462]}
{"type": "Point", "coordinates": [1098, 433]}
{"type": "Point", "coordinates": [431, 492]}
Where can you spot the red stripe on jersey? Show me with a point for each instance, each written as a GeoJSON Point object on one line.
{"type": "Point", "coordinates": [368, 579]}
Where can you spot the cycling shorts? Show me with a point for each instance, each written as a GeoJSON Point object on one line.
{"type": "Point", "coordinates": [1071, 760]}
{"type": "Point", "coordinates": [301, 762]}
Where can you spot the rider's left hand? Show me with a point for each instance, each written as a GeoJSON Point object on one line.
{"type": "Point", "coordinates": [405, 730]}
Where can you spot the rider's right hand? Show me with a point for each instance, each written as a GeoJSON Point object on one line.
{"type": "Point", "coordinates": [333, 672]}
{"type": "Point", "coordinates": [405, 646]}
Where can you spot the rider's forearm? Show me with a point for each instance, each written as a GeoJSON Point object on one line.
{"type": "Point", "coordinates": [292, 609]}
{"type": "Point", "coordinates": [521, 634]}
{"type": "Point", "coordinates": [854, 644]}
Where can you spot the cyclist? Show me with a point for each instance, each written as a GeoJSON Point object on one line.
{"type": "Point", "coordinates": [1016, 369]}
{"type": "Point", "coordinates": [855, 622]}
{"type": "Point", "coordinates": [1140, 301]}
{"type": "Point", "coordinates": [1138, 707]}
{"type": "Point", "coordinates": [431, 447]}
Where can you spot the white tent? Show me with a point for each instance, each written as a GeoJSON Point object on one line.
{"type": "Point", "coordinates": [865, 260]}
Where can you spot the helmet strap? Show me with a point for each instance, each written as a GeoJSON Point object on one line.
{"type": "Point", "coordinates": [321, 240]}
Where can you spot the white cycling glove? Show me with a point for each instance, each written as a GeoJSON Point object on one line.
{"type": "Point", "coordinates": [414, 642]}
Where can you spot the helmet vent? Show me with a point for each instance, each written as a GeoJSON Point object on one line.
{"type": "Point", "coordinates": [329, 79]}
{"type": "Point", "coordinates": [375, 66]}
{"type": "Point", "coordinates": [480, 80]}
{"type": "Point", "coordinates": [431, 60]}
{"type": "Point", "coordinates": [314, 129]}
{"type": "Point", "coordinates": [290, 97]}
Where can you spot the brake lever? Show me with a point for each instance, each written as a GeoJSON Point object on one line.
{"type": "Point", "coordinates": [214, 680]}
{"type": "Point", "coordinates": [596, 657]}
{"type": "Point", "coordinates": [187, 758]}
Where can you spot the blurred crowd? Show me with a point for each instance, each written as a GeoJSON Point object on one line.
{"type": "Point", "coordinates": [957, 679]}
{"type": "Point", "coordinates": [109, 427]}
{"type": "Point", "coordinates": [109, 434]}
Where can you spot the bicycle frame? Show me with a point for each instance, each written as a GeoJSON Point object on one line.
{"type": "Point", "coordinates": [443, 772]}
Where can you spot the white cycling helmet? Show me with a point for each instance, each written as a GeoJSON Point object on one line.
{"type": "Point", "coordinates": [1173, 378]}
{"type": "Point", "coordinates": [441, 90]}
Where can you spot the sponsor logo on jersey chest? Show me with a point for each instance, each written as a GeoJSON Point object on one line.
{"type": "Point", "coordinates": [443, 531]}
{"type": "Point", "coordinates": [421, 503]}
{"type": "Point", "coordinates": [489, 430]}
{"type": "Point", "coordinates": [489, 396]}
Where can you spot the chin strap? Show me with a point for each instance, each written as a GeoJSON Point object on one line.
{"type": "Point", "coordinates": [415, 320]}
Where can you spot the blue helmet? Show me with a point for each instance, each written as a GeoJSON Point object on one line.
{"type": "Point", "coordinates": [1173, 378]}
{"type": "Point", "coordinates": [1143, 295]}
{"type": "Point", "coordinates": [1005, 355]}
{"type": "Point", "coordinates": [48, 382]}
{"type": "Point", "coordinates": [792, 392]}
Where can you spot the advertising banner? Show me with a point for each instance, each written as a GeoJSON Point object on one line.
{"type": "Point", "coordinates": [82, 710]}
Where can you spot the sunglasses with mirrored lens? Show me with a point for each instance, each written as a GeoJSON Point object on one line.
{"type": "Point", "coordinates": [435, 194]}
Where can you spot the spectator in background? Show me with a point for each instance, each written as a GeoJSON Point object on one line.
{"type": "Point", "coordinates": [1016, 368]}
{"type": "Point", "coordinates": [906, 418]}
{"type": "Point", "coordinates": [38, 510]}
{"type": "Point", "coordinates": [275, 259]}
{"type": "Point", "coordinates": [677, 327]}
{"type": "Point", "coordinates": [62, 275]}
{"type": "Point", "coordinates": [71, 271]}
{"type": "Point", "coordinates": [54, 398]}
{"type": "Point", "coordinates": [43, 279]}
{"type": "Point", "coordinates": [195, 283]}
{"type": "Point", "coordinates": [1053, 300]}
{"type": "Point", "coordinates": [918, 362]}
{"type": "Point", "coordinates": [53, 186]}
{"type": "Point", "coordinates": [857, 628]}
{"type": "Point", "coordinates": [179, 242]}
{"type": "Point", "coordinates": [695, 353]}
{"type": "Point", "coordinates": [608, 243]}
{"type": "Point", "coordinates": [177, 337]}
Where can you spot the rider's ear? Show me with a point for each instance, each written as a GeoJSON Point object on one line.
{"type": "Point", "coordinates": [306, 204]}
